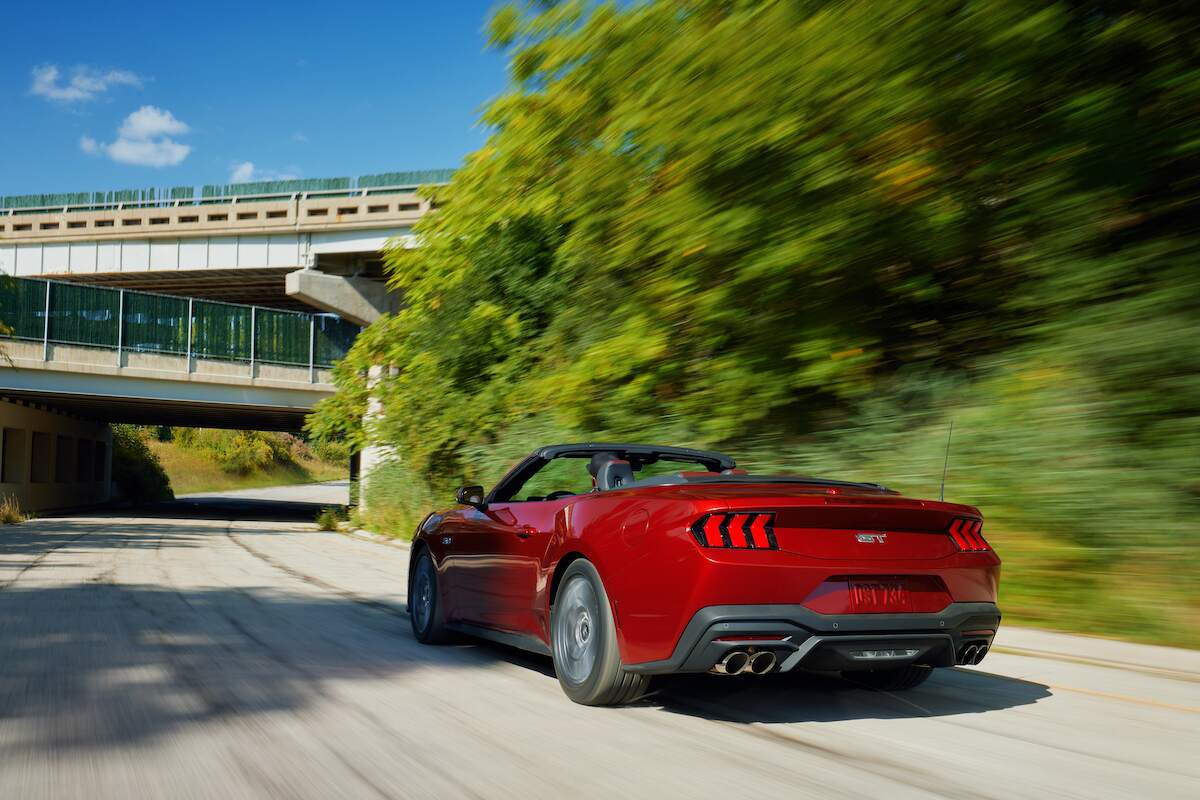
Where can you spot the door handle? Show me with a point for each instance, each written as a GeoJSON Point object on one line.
{"type": "Point", "coordinates": [525, 531]}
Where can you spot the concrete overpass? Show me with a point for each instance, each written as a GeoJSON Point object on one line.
{"type": "Point", "coordinates": [219, 308]}
{"type": "Point", "coordinates": [291, 249]}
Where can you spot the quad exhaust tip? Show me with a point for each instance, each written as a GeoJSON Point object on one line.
{"type": "Point", "coordinates": [740, 661]}
{"type": "Point", "coordinates": [972, 654]}
{"type": "Point", "coordinates": [733, 663]}
{"type": "Point", "coordinates": [762, 663]}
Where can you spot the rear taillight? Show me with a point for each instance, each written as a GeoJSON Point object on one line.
{"type": "Point", "coordinates": [754, 530]}
{"type": "Point", "coordinates": [966, 534]}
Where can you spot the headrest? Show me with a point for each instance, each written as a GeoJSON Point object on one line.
{"type": "Point", "coordinates": [598, 461]}
{"type": "Point", "coordinates": [614, 474]}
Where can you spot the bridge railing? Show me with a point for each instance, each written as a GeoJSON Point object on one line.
{"type": "Point", "coordinates": [215, 194]}
{"type": "Point", "coordinates": [57, 312]}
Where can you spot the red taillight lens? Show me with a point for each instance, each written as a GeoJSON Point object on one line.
{"type": "Point", "coordinates": [747, 530]}
{"type": "Point", "coordinates": [966, 535]}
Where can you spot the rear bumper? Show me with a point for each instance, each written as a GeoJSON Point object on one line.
{"type": "Point", "coordinates": [827, 642]}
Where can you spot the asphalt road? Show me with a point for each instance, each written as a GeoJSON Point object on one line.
{"type": "Point", "coordinates": [223, 648]}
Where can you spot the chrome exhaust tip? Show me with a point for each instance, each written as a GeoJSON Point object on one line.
{"type": "Point", "coordinates": [732, 663]}
{"type": "Point", "coordinates": [762, 662]}
{"type": "Point", "coordinates": [968, 656]}
{"type": "Point", "coordinates": [980, 653]}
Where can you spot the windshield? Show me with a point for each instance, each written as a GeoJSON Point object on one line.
{"type": "Point", "coordinates": [568, 475]}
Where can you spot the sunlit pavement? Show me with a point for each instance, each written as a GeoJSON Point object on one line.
{"type": "Point", "coordinates": [181, 654]}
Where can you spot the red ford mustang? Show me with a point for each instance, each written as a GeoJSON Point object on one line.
{"type": "Point", "coordinates": [625, 561]}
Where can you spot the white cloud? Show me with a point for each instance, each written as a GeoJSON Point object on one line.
{"type": "Point", "coordinates": [144, 139]}
{"type": "Point", "coordinates": [150, 122]}
{"type": "Point", "coordinates": [85, 83]}
{"type": "Point", "coordinates": [242, 172]}
{"type": "Point", "coordinates": [148, 152]}
{"type": "Point", "coordinates": [299, 136]}
{"type": "Point", "coordinates": [246, 171]}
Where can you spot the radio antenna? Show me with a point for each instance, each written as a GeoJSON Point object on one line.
{"type": "Point", "coordinates": [946, 464]}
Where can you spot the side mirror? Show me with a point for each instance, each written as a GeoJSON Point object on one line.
{"type": "Point", "coordinates": [470, 496]}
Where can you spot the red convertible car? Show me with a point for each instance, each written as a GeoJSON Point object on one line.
{"type": "Point", "coordinates": [625, 561]}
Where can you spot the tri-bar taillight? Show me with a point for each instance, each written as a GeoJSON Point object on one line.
{"type": "Point", "coordinates": [747, 530]}
{"type": "Point", "coordinates": [966, 534]}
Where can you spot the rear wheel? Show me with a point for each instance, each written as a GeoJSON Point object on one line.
{"type": "Point", "coordinates": [424, 610]}
{"type": "Point", "coordinates": [892, 680]}
{"type": "Point", "coordinates": [584, 642]}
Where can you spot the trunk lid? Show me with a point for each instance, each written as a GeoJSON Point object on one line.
{"type": "Point", "coordinates": [840, 524]}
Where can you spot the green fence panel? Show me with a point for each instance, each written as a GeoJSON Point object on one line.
{"type": "Point", "coordinates": [410, 178]}
{"type": "Point", "coordinates": [81, 314]}
{"type": "Point", "coordinates": [23, 307]}
{"type": "Point", "coordinates": [282, 337]}
{"type": "Point", "coordinates": [334, 337]}
{"type": "Point", "coordinates": [155, 323]}
{"type": "Point", "coordinates": [221, 330]}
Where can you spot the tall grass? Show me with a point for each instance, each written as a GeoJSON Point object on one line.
{"type": "Point", "coordinates": [10, 511]}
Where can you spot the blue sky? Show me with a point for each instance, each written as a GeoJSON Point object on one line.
{"type": "Point", "coordinates": [100, 96]}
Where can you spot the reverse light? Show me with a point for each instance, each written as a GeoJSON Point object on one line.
{"type": "Point", "coordinates": [966, 535]}
{"type": "Point", "coordinates": [754, 530]}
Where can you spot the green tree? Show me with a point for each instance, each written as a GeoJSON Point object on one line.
{"type": "Point", "coordinates": [813, 226]}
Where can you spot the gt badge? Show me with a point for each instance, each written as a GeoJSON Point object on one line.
{"type": "Point", "coordinates": [871, 538]}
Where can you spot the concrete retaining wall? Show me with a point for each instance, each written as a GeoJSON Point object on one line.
{"type": "Point", "coordinates": [50, 460]}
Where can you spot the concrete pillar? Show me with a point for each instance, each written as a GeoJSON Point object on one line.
{"type": "Point", "coordinates": [360, 300]}
{"type": "Point", "coordinates": [375, 452]}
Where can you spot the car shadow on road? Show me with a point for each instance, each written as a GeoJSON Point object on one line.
{"type": "Point", "coordinates": [810, 697]}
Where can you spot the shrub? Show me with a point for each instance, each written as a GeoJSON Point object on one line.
{"type": "Point", "coordinates": [243, 452]}
{"type": "Point", "coordinates": [333, 451]}
{"type": "Point", "coordinates": [328, 519]}
{"type": "Point", "coordinates": [136, 470]}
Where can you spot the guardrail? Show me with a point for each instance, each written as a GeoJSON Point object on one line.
{"type": "Point", "coordinates": [125, 320]}
{"type": "Point", "coordinates": [187, 202]}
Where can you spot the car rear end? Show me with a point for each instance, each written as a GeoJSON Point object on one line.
{"type": "Point", "coordinates": [783, 577]}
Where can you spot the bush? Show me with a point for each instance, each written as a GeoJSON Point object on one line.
{"type": "Point", "coordinates": [244, 452]}
{"type": "Point", "coordinates": [332, 451]}
{"type": "Point", "coordinates": [328, 519]}
{"type": "Point", "coordinates": [136, 470]}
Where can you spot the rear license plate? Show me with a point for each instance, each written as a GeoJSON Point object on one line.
{"type": "Point", "coordinates": [879, 597]}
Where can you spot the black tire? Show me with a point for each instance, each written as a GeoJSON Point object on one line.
{"type": "Point", "coordinates": [891, 680]}
{"type": "Point", "coordinates": [424, 608]}
{"type": "Point", "coordinates": [583, 638]}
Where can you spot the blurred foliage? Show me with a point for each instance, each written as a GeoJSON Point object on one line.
{"type": "Point", "coordinates": [136, 471]}
{"type": "Point", "coordinates": [812, 233]}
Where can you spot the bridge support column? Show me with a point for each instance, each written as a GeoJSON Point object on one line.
{"type": "Point", "coordinates": [374, 452]}
{"type": "Point", "coordinates": [360, 300]}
